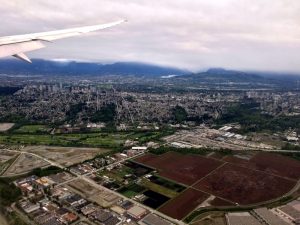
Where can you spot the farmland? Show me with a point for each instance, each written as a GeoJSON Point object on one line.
{"type": "Point", "coordinates": [140, 183]}
{"type": "Point", "coordinates": [76, 140]}
{"type": "Point", "coordinates": [185, 169]}
{"type": "Point", "coordinates": [179, 207]}
{"type": "Point", "coordinates": [32, 129]}
{"type": "Point", "coordinates": [244, 186]}
{"type": "Point", "coordinates": [270, 163]}
{"type": "Point", "coordinates": [229, 180]}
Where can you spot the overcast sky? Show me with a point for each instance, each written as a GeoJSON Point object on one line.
{"type": "Point", "coordinates": [191, 34]}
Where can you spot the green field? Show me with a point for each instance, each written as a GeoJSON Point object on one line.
{"type": "Point", "coordinates": [116, 174]}
{"type": "Point", "coordinates": [77, 140]}
{"type": "Point", "coordinates": [129, 193]}
{"type": "Point", "coordinates": [32, 129]}
{"type": "Point", "coordinates": [159, 189]}
{"type": "Point", "coordinates": [131, 190]}
{"type": "Point", "coordinates": [170, 185]}
{"type": "Point", "coordinates": [33, 135]}
{"type": "Point", "coordinates": [161, 185]}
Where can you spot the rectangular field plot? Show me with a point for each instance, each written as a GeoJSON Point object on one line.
{"type": "Point", "coordinates": [183, 204]}
{"type": "Point", "coordinates": [243, 185]}
{"type": "Point", "coordinates": [277, 164]}
{"type": "Point", "coordinates": [148, 197]}
{"type": "Point", "coordinates": [146, 159]}
{"type": "Point", "coordinates": [185, 169]}
{"type": "Point", "coordinates": [270, 163]}
{"type": "Point", "coordinates": [167, 184]}
{"type": "Point", "coordinates": [154, 199]}
{"type": "Point", "coordinates": [137, 169]}
{"type": "Point", "coordinates": [241, 179]}
{"type": "Point", "coordinates": [131, 190]}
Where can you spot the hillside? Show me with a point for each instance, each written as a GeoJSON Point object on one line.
{"type": "Point", "coordinates": [47, 67]}
{"type": "Point", "coordinates": [216, 76]}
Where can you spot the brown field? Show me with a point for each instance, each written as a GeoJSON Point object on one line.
{"type": "Point", "coordinates": [146, 159]}
{"type": "Point", "coordinates": [236, 161]}
{"type": "Point", "coordinates": [243, 180]}
{"type": "Point", "coordinates": [215, 155]}
{"type": "Point", "coordinates": [185, 169]}
{"type": "Point", "coordinates": [277, 164]}
{"type": "Point", "coordinates": [270, 163]}
{"type": "Point", "coordinates": [183, 204]}
{"type": "Point", "coordinates": [243, 185]}
{"type": "Point", "coordinates": [220, 202]}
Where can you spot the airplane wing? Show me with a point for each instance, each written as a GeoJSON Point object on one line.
{"type": "Point", "coordinates": [17, 45]}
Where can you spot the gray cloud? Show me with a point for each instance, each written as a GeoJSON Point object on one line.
{"type": "Point", "coordinates": [193, 34]}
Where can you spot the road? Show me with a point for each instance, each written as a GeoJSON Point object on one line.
{"type": "Point", "coordinates": [101, 168]}
{"type": "Point", "coordinates": [22, 215]}
{"type": "Point", "coordinates": [86, 178]}
{"type": "Point", "coordinates": [36, 155]}
{"type": "Point", "coordinates": [93, 183]}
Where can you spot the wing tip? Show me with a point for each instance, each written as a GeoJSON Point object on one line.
{"type": "Point", "coordinates": [23, 57]}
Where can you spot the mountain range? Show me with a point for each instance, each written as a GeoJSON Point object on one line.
{"type": "Point", "coordinates": [211, 76]}
{"type": "Point", "coordinates": [50, 67]}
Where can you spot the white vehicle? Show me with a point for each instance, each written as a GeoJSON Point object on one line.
{"type": "Point", "coordinates": [19, 44]}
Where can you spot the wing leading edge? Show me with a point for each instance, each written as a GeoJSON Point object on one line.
{"type": "Point", "coordinates": [17, 45]}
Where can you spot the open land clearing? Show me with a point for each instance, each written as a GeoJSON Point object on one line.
{"type": "Point", "coordinates": [6, 159]}
{"type": "Point", "coordinates": [5, 155]}
{"type": "Point", "coordinates": [94, 194]}
{"type": "Point", "coordinates": [65, 156]}
{"type": "Point", "coordinates": [223, 181]}
{"type": "Point", "coordinates": [24, 164]}
{"type": "Point", "coordinates": [5, 126]}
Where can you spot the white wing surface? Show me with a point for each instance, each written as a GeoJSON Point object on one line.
{"type": "Point", "coordinates": [17, 45]}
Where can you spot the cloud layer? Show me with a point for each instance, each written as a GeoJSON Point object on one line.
{"type": "Point", "coordinates": [238, 34]}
